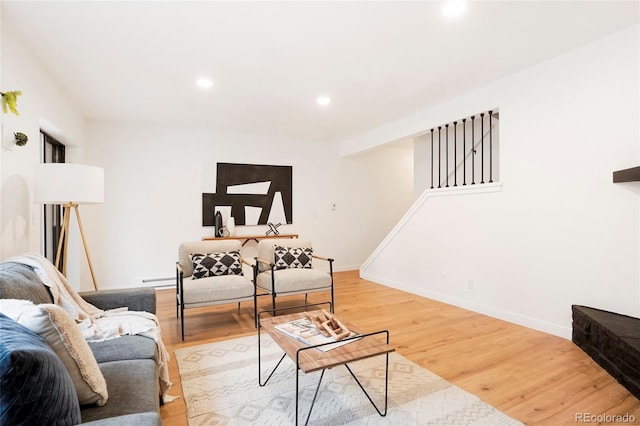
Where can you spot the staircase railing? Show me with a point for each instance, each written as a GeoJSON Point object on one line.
{"type": "Point", "coordinates": [464, 127]}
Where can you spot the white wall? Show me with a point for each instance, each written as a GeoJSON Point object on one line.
{"type": "Point", "coordinates": [42, 105]}
{"type": "Point", "coordinates": [154, 181]}
{"type": "Point", "coordinates": [559, 232]}
{"type": "Point", "coordinates": [421, 171]}
{"type": "Point", "coordinates": [155, 176]}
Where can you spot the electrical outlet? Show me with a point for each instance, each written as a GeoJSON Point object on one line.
{"type": "Point", "coordinates": [470, 284]}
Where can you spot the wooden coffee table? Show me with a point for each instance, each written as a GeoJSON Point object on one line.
{"type": "Point", "coordinates": [310, 358]}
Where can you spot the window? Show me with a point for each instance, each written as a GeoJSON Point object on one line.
{"type": "Point", "coordinates": [52, 151]}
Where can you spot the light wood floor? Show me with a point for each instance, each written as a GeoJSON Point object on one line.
{"type": "Point", "coordinates": [531, 376]}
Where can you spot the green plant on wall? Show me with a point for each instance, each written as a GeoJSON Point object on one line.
{"type": "Point", "coordinates": [9, 104]}
{"type": "Point", "coordinates": [9, 101]}
{"type": "Point", "coordinates": [21, 139]}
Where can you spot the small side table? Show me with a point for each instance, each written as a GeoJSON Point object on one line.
{"type": "Point", "coordinates": [309, 358]}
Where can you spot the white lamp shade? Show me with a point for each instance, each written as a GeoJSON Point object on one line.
{"type": "Point", "coordinates": [61, 183]}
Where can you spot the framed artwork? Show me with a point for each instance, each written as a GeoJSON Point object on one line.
{"type": "Point", "coordinates": [252, 194]}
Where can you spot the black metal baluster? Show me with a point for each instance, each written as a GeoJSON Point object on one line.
{"type": "Point", "coordinates": [482, 147]}
{"type": "Point", "coordinates": [490, 148]}
{"type": "Point", "coordinates": [446, 129]}
{"type": "Point", "coordinates": [473, 150]}
{"type": "Point", "coordinates": [439, 158]}
{"type": "Point", "coordinates": [464, 151]}
{"type": "Point", "coordinates": [455, 153]}
{"type": "Point", "coordinates": [431, 158]}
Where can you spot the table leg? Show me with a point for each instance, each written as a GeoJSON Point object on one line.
{"type": "Point", "coordinates": [386, 387]}
{"type": "Point", "coordinates": [315, 395]}
{"type": "Point", "coordinates": [260, 360]}
{"type": "Point", "coordinates": [382, 413]}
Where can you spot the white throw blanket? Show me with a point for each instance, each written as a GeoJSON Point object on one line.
{"type": "Point", "coordinates": [98, 325]}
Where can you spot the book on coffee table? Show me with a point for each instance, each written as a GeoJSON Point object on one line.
{"type": "Point", "coordinates": [305, 331]}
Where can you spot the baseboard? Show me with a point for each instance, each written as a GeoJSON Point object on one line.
{"type": "Point", "coordinates": [346, 268]}
{"type": "Point", "coordinates": [512, 317]}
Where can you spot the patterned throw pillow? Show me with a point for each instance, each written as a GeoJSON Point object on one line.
{"type": "Point", "coordinates": [292, 257]}
{"type": "Point", "coordinates": [216, 264]}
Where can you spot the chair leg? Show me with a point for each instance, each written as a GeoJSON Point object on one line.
{"type": "Point", "coordinates": [273, 303]}
{"type": "Point", "coordinates": [238, 306]}
{"type": "Point", "coordinates": [177, 291]}
{"type": "Point", "coordinates": [306, 298]}
{"type": "Point", "coordinates": [255, 309]}
{"type": "Point", "coordinates": [332, 299]}
{"type": "Point", "coordinates": [182, 319]}
{"type": "Point", "coordinates": [333, 306]}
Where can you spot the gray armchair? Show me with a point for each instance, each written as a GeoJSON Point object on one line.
{"type": "Point", "coordinates": [217, 278]}
{"type": "Point", "coordinates": [286, 269]}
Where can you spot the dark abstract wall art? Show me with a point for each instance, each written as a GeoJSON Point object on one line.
{"type": "Point", "coordinates": [255, 194]}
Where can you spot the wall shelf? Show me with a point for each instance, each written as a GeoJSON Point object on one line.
{"type": "Point", "coordinates": [246, 238]}
{"type": "Point", "coordinates": [627, 175]}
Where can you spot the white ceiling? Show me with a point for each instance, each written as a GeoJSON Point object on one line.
{"type": "Point", "coordinates": [378, 61]}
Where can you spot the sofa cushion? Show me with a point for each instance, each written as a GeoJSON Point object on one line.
{"type": "Point", "coordinates": [138, 419]}
{"type": "Point", "coordinates": [227, 287]}
{"type": "Point", "coordinates": [19, 281]}
{"type": "Point", "coordinates": [133, 388]}
{"type": "Point", "coordinates": [124, 348]}
{"type": "Point", "coordinates": [295, 280]}
{"type": "Point", "coordinates": [36, 387]}
{"type": "Point", "coordinates": [63, 335]}
{"type": "Point", "coordinates": [134, 299]}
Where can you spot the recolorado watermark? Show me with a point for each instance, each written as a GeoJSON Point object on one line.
{"type": "Point", "coordinates": [605, 418]}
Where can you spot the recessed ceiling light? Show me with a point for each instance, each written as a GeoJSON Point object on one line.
{"type": "Point", "coordinates": [453, 8]}
{"type": "Point", "coordinates": [204, 83]}
{"type": "Point", "coordinates": [323, 100]}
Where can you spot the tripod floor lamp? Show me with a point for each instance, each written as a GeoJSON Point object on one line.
{"type": "Point", "coordinates": [69, 185]}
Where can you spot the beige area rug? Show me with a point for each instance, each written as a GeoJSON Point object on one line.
{"type": "Point", "coordinates": [220, 385]}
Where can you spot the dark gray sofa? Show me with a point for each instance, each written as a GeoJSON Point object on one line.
{"type": "Point", "coordinates": [127, 363]}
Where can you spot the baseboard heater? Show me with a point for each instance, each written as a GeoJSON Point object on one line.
{"type": "Point", "coordinates": [158, 282]}
{"type": "Point", "coordinates": [612, 340]}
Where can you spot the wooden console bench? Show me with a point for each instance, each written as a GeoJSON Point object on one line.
{"type": "Point", "coordinates": [246, 238]}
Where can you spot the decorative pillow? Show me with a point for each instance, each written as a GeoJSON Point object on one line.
{"type": "Point", "coordinates": [18, 281]}
{"type": "Point", "coordinates": [14, 307]}
{"type": "Point", "coordinates": [216, 264]}
{"type": "Point", "coordinates": [292, 257]}
{"type": "Point", "coordinates": [63, 335]}
{"type": "Point", "coordinates": [36, 388]}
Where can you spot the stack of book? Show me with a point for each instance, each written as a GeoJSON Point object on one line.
{"type": "Point", "coordinates": [305, 331]}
